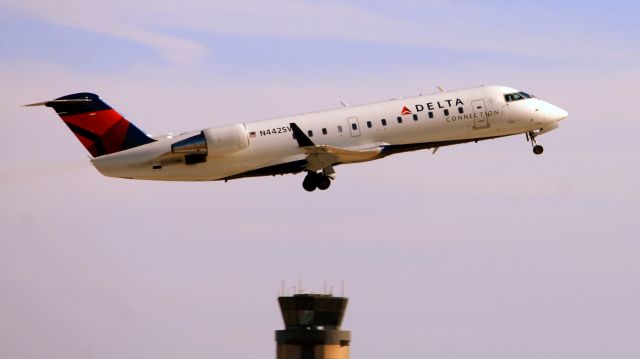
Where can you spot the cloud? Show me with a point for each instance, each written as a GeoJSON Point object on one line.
{"type": "Point", "coordinates": [98, 18]}
{"type": "Point", "coordinates": [452, 25]}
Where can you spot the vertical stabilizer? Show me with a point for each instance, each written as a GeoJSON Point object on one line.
{"type": "Point", "coordinates": [100, 129]}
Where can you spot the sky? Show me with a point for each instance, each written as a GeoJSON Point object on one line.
{"type": "Point", "coordinates": [480, 250]}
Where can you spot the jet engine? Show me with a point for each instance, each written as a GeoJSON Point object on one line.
{"type": "Point", "coordinates": [212, 141]}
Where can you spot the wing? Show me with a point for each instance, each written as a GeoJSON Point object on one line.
{"type": "Point", "coordinates": [322, 156]}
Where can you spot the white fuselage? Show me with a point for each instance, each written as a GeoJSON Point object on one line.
{"type": "Point", "coordinates": [431, 120]}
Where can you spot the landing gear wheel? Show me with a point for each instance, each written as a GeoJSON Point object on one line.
{"type": "Point", "coordinates": [531, 136]}
{"type": "Point", "coordinates": [310, 183]}
{"type": "Point", "coordinates": [323, 182]}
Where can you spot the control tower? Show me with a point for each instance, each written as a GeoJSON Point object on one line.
{"type": "Point", "coordinates": [312, 327]}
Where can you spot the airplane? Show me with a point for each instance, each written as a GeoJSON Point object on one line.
{"type": "Point", "coordinates": [314, 142]}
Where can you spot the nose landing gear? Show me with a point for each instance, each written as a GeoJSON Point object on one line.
{"type": "Point", "coordinates": [537, 149]}
{"type": "Point", "coordinates": [315, 180]}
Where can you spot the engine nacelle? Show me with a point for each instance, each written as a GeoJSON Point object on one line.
{"type": "Point", "coordinates": [212, 141]}
{"type": "Point", "coordinates": [226, 139]}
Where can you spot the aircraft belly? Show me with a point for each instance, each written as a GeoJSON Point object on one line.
{"type": "Point", "coordinates": [145, 165]}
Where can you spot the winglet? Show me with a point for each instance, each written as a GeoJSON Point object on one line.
{"type": "Point", "coordinates": [303, 140]}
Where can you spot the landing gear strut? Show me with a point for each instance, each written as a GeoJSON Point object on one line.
{"type": "Point", "coordinates": [537, 149]}
{"type": "Point", "coordinates": [315, 180]}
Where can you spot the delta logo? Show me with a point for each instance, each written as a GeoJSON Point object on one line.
{"type": "Point", "coordinates": [405, 111]}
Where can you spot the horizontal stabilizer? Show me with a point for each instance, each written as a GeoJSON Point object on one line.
{"type": "Point", "coordinates": [36, 104]}
{"type": "Point", "coordinates": [50, 103]}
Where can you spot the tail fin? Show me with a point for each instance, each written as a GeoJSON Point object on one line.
{"type": "Point", "coordinates": [99, 128]}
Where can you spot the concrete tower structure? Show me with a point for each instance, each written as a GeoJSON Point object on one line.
{"type": "Point", "coordinates": [312, 327]}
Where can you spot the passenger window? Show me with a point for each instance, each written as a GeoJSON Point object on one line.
{"type": "Point", "coordinates": [415, 117]}
{"type": "Point", "coordinates": [446, 112]}
{"type": "Point", "coordinates": [369, 124]}
{"type": "Point", "coordinates": [310, 133]}
{"type": "Point", "coordinates": [430, 114]}
{"type": "Point", "coordinates": [339, 129]}
{"type": "Point", "coordinates": [384, 122]}
{"type": "Point", "coordinates": [324, 131]}
{"type": "Point", "coordinates": [460, 110]}
{"type": "Point", "coordinates": [354, 126]}
{"type": "Point", "coordinates": [399, 119]}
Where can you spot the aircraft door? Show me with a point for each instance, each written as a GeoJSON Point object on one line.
{"type": "Point", "coordinates": [480, 119]}
{"type": "Point", "coordinates": [354, 126]}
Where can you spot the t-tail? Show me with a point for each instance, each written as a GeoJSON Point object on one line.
{"type": "Point", "coordinates": [100, 129]}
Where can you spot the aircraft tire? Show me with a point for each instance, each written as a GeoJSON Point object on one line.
{"type": "Point", "coordinates": [537, 149]}
{"type": "Point", "coordinates": [310, 183]}
{"type": "Point", "coordinates": [323, 183]}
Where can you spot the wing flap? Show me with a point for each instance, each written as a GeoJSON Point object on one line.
{"type": "Point", "coordinates": [320, 157]}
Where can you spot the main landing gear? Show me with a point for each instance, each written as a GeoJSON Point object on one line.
{"type": "Point", "coordinates": [315, 180]}
{"type": "Point", "coordinates": [537, 149]}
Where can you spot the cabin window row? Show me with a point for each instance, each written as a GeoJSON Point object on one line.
{"type": "Point", "coordinates": [326, 132]}
{"type": "Point", "coordinates": [354, 126]}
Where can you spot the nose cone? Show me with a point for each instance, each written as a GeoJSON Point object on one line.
{"type": "Point", "coordinates": [555, 113]}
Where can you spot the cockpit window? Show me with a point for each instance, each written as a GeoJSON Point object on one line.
{"type": "Point", "coordinates": [516, 96]}
{"type": "Point", "coordinates": [513, 97]}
